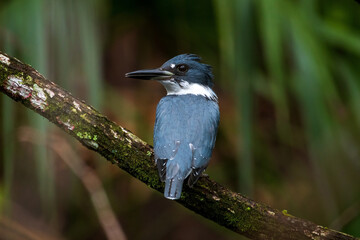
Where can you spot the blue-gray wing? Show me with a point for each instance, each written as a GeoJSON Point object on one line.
{"type": "Point", "coordinates": [185, 131]}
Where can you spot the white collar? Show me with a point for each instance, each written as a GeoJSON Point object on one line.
{"type": "Point", "coordinates": [181, 88]}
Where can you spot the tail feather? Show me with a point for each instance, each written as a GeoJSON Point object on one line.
{"type": "Point", "coordinates": [161, 165]}
{"type": "Point", "coordinates": [173, 188]}
{"type": "Point", "coordinates": [177, 169]}
{"type": "Point", "coordinates": [194, 176]}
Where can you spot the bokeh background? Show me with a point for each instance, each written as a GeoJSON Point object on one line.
{"type": "Point", "coordinates": [288, 81]}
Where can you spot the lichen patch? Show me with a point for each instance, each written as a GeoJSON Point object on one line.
{"type": "Point", "coordinates": [133, 137]}
{"type": "Point", "coordinates": [49, 92]}
{"type": "Point", "coordinates": [230, 210]}
{"type": "Point", "coordinates": [271, 213]}
{"type": "Point", "coordinates": [17, 87]}
{"type": "Point", "coordinates": [4, 59]}
{"type": "Point", "coordinates": [38, 99]}
{"type": "Point", "coordinates": [91, 144]}
{"type": "Point", "coordinates": [114, 133]}
{"type": "Point", "coordinates": [216, 198]}
{"type": "Point", "coordinates": [77, 106]}
{"type": "Point", "coordinates": [67, 124]}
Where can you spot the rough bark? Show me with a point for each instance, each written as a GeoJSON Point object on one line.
{"type": "Point", "coordinates": [118, 145]}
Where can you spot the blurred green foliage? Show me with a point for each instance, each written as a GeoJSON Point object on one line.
{"type": "Point", "coordinates": [288, 80]}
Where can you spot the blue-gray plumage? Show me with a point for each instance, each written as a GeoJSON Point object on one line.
{"type": "Point", "coordinates": [186, 121]}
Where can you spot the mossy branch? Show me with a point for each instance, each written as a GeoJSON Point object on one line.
{"type": "Point", "coordinates": [118, 145]}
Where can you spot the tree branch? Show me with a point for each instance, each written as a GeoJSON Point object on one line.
{"type": "Point", "coordinates": [254, 220]}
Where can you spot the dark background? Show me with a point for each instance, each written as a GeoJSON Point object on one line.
{"type": "Point", "coordinates": [287, 74]}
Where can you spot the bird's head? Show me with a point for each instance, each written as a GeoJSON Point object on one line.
{"type": "Point", "coordinates": [183, 74]}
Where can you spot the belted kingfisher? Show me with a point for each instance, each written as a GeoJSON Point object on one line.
{"type": "Point", "coordinates": [187, 120]}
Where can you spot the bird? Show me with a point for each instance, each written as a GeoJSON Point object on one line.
{"type": "Point", "coordinates": [186, 122]}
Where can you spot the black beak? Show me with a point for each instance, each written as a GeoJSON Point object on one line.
{"type": "Point", "coordinates": [150, 74]}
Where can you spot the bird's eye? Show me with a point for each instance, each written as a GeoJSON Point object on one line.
{"type": "Point", "coordinates": [182, 68]}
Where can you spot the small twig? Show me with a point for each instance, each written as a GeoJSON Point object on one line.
{"type": "Point", "coordinates": [88, 177]}
{"type": "Point", "coordinates": [12, 230]}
